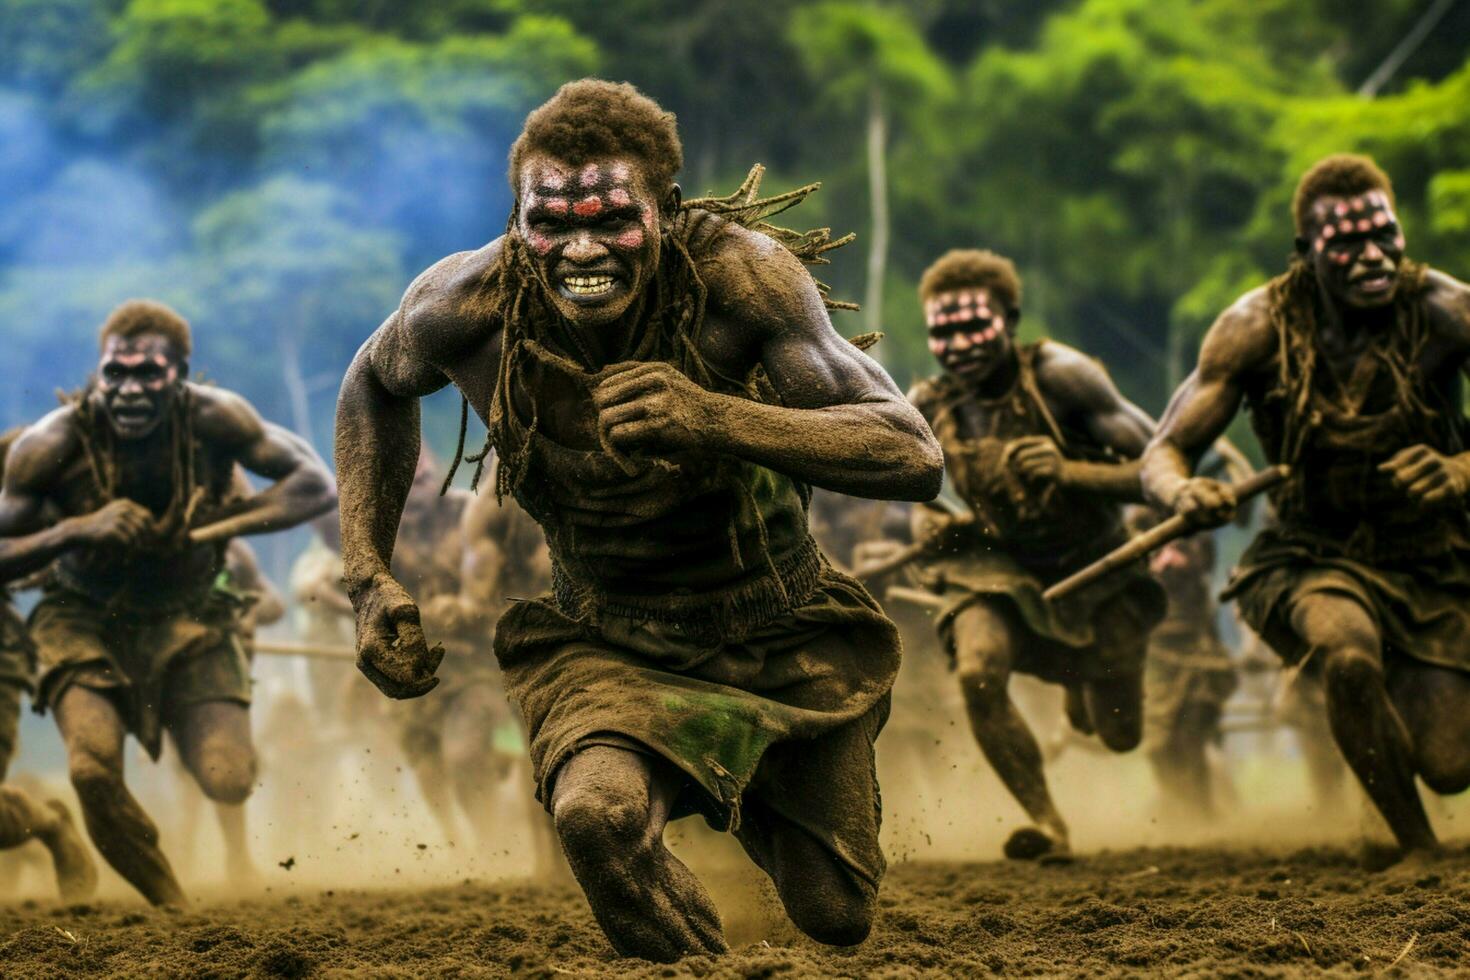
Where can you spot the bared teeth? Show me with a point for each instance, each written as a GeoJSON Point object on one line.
{"type": "Point", "coordinates": [588, 285]}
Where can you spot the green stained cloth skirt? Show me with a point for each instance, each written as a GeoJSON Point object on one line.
{"type": "Point", "coordinates": [774, 730]}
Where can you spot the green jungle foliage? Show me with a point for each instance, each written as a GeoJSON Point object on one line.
{"type": "Point", "coordinates": [280, 169]}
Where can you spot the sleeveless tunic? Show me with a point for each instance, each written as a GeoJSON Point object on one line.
{"type": "Point", "coordinates": [1025, 539]}
{"type": "Point", "coordinates": [1341, 525]}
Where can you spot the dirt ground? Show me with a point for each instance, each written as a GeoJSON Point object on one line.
{"type": "Point", "coordinates": [1175, 912]}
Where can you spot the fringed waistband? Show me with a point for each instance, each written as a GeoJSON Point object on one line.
{"type": "Point", "coordinates": [723, 614]}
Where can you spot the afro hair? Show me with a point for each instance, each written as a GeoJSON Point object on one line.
{"type": "Point", "coordinates": [590, 119]}
{"type": "Point", "coordinates": [142, 316]}
{"type": "Point", "coordinates": [962, 268]}
{"type": "Point", "coordinates": [1340, 175]}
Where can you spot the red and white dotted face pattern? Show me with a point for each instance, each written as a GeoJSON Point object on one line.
{"type": "Point", "coordinates": [1355, 246]}
{"type": "Point", "coordinates": [594, 228]}
{"type": "Point", "coordinates": [557, 200]}
{"type": "Point", "coordinates": [1343, 225]}
{"type": "Point", "coordinates": [967, 328]}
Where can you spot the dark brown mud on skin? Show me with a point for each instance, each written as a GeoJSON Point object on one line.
{"type": "Point", "coordinates": [1193, 913]}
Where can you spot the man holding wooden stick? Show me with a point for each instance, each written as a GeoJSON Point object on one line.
{"type": "Point", "coordinates": [1350, 364]}
{"type": "Point", "coordinates": [1043, 450]}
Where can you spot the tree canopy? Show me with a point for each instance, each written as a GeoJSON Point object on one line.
{"type": "Point", "coordinates": [280, 169]}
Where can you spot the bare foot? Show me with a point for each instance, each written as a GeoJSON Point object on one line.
{"type": "Point", "coordinates": [76, 873]}
{"type": "Point", "coordinates": [1038, 844]}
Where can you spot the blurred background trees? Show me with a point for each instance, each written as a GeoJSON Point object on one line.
{"type": "Point", "coordinates": [280, 169]}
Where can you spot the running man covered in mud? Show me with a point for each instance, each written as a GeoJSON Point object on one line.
{"type": "Point", "coordinates": [22, 817]}
{"type": "Point", "coordinates": [660, 382]}
{"type": "Point", "coordinates": [127, 491]}
{"type": "Point", "coordinates": [1042, 448]}
{"type": "Point", "coordinates": [1350, 363]}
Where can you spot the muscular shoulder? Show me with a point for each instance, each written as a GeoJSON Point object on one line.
{"type": "Point", "coordinates": [439, 292]}
{"type": "Point", "coordinates": [1241, 340]}
{"type": "Point", "coordinates": [1449, 302]}
{"type": "Point", "coordinates": [751, 273]}
{"type": "Point", "coordinates": [1069, 377]}
{"type": "Point", "coordinates": [221, 416]}
{"type": "Point", "coordinates": [43, 452]}
{"type": "Point", "coordinates": [441, 321]}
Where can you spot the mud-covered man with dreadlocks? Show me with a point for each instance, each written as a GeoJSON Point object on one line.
{"type": "Point", "coordinates": [661, 383]}
{"type": "Point", "coordinates": [1351, 363]}
{"type": "Point", "coordinates": [1043, 449]}
{"type": "Point", "coordinates": [127, 494]}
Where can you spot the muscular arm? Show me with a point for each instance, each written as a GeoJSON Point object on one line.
{"type": "Point", "coordinates": [377, 442]}
{"type": "Point", "coordinates": [841, 425]}
{"type": "Point", "coordinates": [301, 488]}
{"type": "Point", "coordinates": [1239, 342]}
{"type": "Point", "coordinates": [1094, 404]}
{"type": "Point", "coordinates": [34, 464]}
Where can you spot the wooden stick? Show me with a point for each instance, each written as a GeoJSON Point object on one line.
{"type": "Point", "coordinates": [319, 651]}
{"type": "Point", "coordinates": [330, 651]}
{"type": "Point", "coordinates": [918, 597]}
{"type": "Point", "coordinates": [1156, 537]}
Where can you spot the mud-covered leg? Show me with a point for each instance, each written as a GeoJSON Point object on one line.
{"type": "Point", "coordinates": [421, 739]}
{"type": "Point", "coordinates": [1435, 705]}
{"type": "Point", "coordinates": [1181, 764]}
{"type": "Point", "coordinates": [983, 657]}
{"type": "Point", "coordinates": [93, 734]}
{"type": "Point", "coordinates": [1115, 703]}
{"type": "Point", "coordinates": [1367, 727]}
{"type": "Point", "coordinates": [214, 743]}
{"type": "Point", "coordinates": [474, 767]}
{"type": "Point", "coordinates": [431, 773]}
{"type": "Point", "coordinates": [23, 819]}
{"type": "Point", "coordinates": [828, 785]}
{"type": "Point", "coordinates": [610, 806]}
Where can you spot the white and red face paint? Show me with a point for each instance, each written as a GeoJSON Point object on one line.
{"type": "Point", "coordinates": [963, 327]}
{"type": "Point", "coordinates": [593, 195]}
{"type": "Point", "coordinates": [1343, 226]}
{"type": "Point", "coordinates": [147, 361]}
{"type": "Point", "coordinates": [593, 230]}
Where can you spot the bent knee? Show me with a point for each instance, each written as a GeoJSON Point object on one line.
{"type": "Point", "coordinates": [1445, 772]}
{"type": "Point", "coordinates": [605, 823]}
{"type": "Point", "coordinates": [93, 779]}
{"type": "Point", "coordinates": [226, 776]}
{"type": "Point", "coordinates": [983, 682]}
{"type": "Point", "coordinates": [1351, 667]}
{"type": "Point", "coordinates": [843, 921]}
{"type": "Point", "coordinates": [1121, 736]}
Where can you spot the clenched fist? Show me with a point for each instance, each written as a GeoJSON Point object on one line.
{"type": "Point", "coordinates": [121, 523]}
{"type": "Point", "coordinates": [1038, 460]}
{"type": "Point", "coordinates": [650, 404]}
{"type": "Point", "coordinates": [391, 650]}
{"type": "Point", "coordinates": [1205, 503]}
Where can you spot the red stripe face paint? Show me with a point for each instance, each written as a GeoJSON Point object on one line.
{"type": "Point", "coordinates": [593, 230]}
